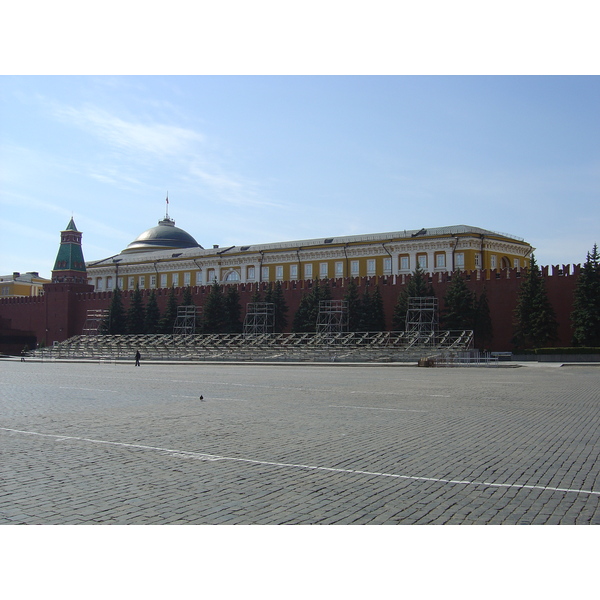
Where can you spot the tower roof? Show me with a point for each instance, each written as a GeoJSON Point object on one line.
{"type": "Point", "coordinates": [71, 226]}
{"type": "Point", "coordinates": [70, 253]}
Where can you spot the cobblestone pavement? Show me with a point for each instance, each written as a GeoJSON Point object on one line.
{"type": "Point", "coordinates": [91, 443]}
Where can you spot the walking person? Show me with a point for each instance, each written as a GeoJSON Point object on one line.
{"type": "Point", "coordinates": [137, 358]}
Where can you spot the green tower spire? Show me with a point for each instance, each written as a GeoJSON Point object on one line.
{"type": "Point", "coordinates": [69, 264]}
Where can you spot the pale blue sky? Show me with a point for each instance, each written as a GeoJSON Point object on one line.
{"type": "Point", "coordinates": [251, 159]}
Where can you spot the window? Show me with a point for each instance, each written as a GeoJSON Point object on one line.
{"type": "Point", "coordinates": [99, 283]}
{"type": "Point", "coordinates": [404, 263]}
{"type": "Point", "coordinates": [478, 260]}
{"type": "Point", "coordinates": [293, 271]}
{"type": "Point", "coordinates": [109, 283]}
{"type": "Point", "coordinates": [371, 266]}
{"type": "Point", "coordinates": [308, 271]}
{"type": "Point", "coordinates": [198, 277]}
{"type": "Point", "coordinates": [187, 279]}
{"type": "Point", "coordinates": [265, 273]}
{"type": "Point", "coordinates": [142, 282]}
{"type": "Point", "coordinates": [211, 276]}
{"type": "Point", "coordinates": [152, 281]}
{"type": "Point", "coordinates": [175, 279]}
{"type": "Point", "coordinates": [493, 261]}
{"type": "Point", "coordinates": [354, 268]}
{"type": "Point", "coordinates": [459, 260]}
{"type": "Point", "coordinates": [387, 265]}
{"type": "Point", "coordinates": [516, 263]}
{"type": "Point", "coordinates": [339, 269]}
{"type": "Point", "coordinates": [120, 282]}
{"type": "Point", "coordinates": [279, 272]}
{"type": "Point", "coordinates": [232, 276]}
{"type": "Point", "coordinates": [163, 280]}
{"type": "Point", "coordinates": [251, 272]}
{"type": "Point", "coordinates": [422, 261]}
{"type": "Point", "coordinates": [440, 261]}
{"type": "Point", "coordinates": [323, 270]}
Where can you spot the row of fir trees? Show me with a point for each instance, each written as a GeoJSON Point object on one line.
{"type": "Point", "coordinates": [586, 303]}
{"type": "Point", "coordinates": [222, 311]}
{"type": "Point", "coordinates": [535, 324]}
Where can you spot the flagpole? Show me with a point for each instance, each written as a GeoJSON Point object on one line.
{"type": "Point", "coordinates": [167, 213]}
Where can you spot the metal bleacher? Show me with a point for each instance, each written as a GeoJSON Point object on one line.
{"type": "Point", "coordinates": [384, 346]}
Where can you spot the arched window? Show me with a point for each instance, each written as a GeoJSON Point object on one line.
{"type": "Point", "coordinates": [232, 276]}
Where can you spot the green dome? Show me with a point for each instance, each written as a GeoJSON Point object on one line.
{"type": "Point", "coordinates": [165, 236]}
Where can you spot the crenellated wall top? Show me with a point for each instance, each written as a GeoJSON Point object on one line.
{"type": "Point", "coordinates": [550, 272]}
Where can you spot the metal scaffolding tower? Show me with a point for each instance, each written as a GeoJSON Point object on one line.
{"type": "Point", "coordinates": [422, 318]}
{"type": "Point", "coordinates": [260, 318]}
{"type": "Point", "coordinates": [333, 316]}
{"type": "Point", "coordinates": [185, 322]}
{"type": "Point", "coordinates": [93, 321]}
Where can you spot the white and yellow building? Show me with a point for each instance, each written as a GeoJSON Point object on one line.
{"type": "Point", "coordinates": [165, 256]}
{"type": "Point", "coordinates": [19, 285]}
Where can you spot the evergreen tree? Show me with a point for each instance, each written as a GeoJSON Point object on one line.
{"type": "Point", "coordinates": [536, 324]}
{"type": "Point", "coordinates": [586, 314]}
{"type": "Point", "coordinates": [459, 305]}
{"type": "Point", "coordinates": [483, 321]}
{"type": "Point", "coordinates": [275, 296]}
{"type": "Point", "coordinates": [364, 321]}
{"type": "Point", "coordinates": [416, 287]}
{"type": "Point", "coordinates": [372, 317]}
{"type": "Point", "coordinates": [168, 320]}
{"type": "Point", "coordinates": [136, 313]}
{"type": "Point", "coordinates": [301, 323]}
{"type": "Point", "coordinates": [233, 311]}
{"type": "Point", "coordinates": [152, 316]}
{"type": "Point", "coordinates": [214, 317]}
{"type": "Point", "coordinates": [324, 292]}
{"type": "Point", "coordinates": [377, 312]}
{"type": "Point", "coordinates": [187, 299]}
{"type": "Point", "coordinates": [354, 305]}
{"type": "Point", "coordinates": [269, 293]}
{"type": "Point", "coordinates": [305, 319]}
{"type": "Point", "coordinates": [256, 296]}
{"type": "Point", "coordinates": [116, 323]}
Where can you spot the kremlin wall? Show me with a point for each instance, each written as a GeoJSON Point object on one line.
{"type": "Point", "coordinates": [61, 311]}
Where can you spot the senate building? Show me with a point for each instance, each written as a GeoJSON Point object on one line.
{"type": "Point", "coordinates": [166, 255]}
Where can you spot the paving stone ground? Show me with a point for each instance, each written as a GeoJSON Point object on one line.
{"type": "Point", "coordinates": [105, 443]}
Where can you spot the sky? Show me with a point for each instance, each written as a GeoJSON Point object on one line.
{"type": "Point", "coordinates": [255, 159]}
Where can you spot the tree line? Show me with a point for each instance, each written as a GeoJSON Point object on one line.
{"type": "Point", "coordinates": [535, 324]}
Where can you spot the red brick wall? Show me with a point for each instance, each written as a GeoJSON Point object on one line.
{"type": "Point", "coordinates": [62, 311]}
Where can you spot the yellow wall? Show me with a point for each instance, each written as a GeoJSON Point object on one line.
{"type": "Point", "coordinates": [21, 288]}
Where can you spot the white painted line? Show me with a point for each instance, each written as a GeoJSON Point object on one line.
{"type": "Point", "coordinates": [213, 457]}
{"type": "Point", "coordinates": [512, 382]}
{"type": "Point", "coordinates": [230, 399]}
{"type": "Point", "coordinates": [88, 389]}
{"type": "Point", "coordinates": [376, 408]}
{"type": "Point", "coordinates": [439, 396]}
{"type": "Point", "coordinates": [212, 398]}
